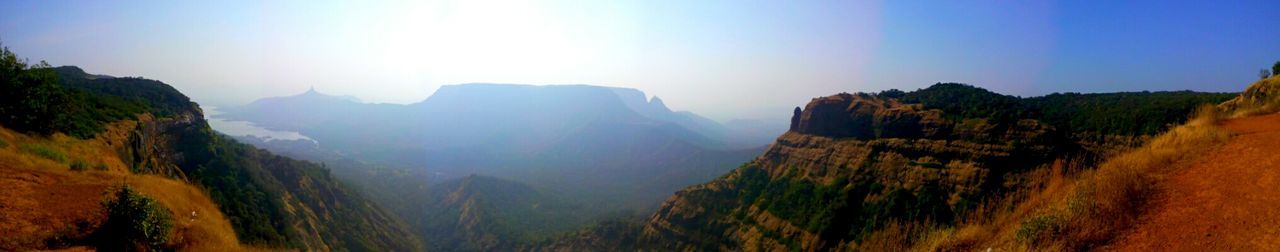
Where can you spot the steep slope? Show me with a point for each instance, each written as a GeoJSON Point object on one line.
{"type": "Point", "coordinates": [49, 202]}
{"type": "Point", "coordinates": [274, 201]}
{"type": "Point", "coordinates": [270, 201]}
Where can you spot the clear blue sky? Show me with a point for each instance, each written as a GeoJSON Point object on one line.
{"type": "Point", "coordinates": [724, 59]}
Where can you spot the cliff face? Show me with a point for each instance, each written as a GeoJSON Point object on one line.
{"type": "Point", "coordinates": [850, 164]}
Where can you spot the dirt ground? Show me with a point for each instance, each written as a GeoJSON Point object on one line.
{"type": "Point", "coordinates": [1228, 200]}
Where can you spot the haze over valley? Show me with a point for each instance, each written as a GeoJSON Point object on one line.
{"type": "Point", "coordinates": [639, 126]}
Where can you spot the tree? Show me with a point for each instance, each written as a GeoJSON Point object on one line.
{"type": "Point", "coordinates": [30, 98]}
{"type": "Point", "coordinates": [1275, 69]}
{"type": "Point", "coordinates": [1263, 74]}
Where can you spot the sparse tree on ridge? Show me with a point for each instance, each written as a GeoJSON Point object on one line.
{"type": "Point", "coordinates": [1263, 74]}
{"type": "Point", "coordinates": [1275, 69]}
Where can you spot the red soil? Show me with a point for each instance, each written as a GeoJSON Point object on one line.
{"type": "Point", "coordinates": [1228, 199]}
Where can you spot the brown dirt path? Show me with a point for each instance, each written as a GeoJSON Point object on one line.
{"type": "Point", "coordinates": [1228, 199]}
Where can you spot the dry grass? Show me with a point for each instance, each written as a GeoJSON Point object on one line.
{"type": "Point", "coordinates": [205, 230]}
{"type": "Point", "coordinates": [1080, 210]}
{"type": "Point", "coordinates": [1262, 97]}
{"type": "Point", "coordinates": [43, 204]}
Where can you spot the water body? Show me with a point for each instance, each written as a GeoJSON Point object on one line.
{"type": "Point", "coordinates": [243, 128]}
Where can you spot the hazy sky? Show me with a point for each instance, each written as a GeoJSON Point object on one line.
{"type": "Point", "coordinates": [723, 59]}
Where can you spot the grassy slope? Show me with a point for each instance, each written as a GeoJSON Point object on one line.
{"type": "Point", "coordinates": [45, 204]}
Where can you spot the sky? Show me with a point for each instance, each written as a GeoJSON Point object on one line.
{"type": "Point", "coordinates": [722, 59]}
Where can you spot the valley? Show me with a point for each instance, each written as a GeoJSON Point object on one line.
{"type": "Point", "coordinates": [565, 126]}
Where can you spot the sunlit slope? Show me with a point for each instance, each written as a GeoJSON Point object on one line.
{"type": "Point", "coordinates": [45, 204]}
{"type": "Point", "coordinates": [1205, 185]}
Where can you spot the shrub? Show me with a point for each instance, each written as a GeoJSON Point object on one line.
{"type": "Point", "coordinates": [100, 167]}
{"type": "Point", "coordinates": [134, 222]}
{"type": "Point", "coordinates": [3, 143]}
{"type": "Point", "coordinates": [79, 165]}
{"type": "Point", "coordinates": [1039, 229]}
{"type": "Point", "coordinates": [1275, 69]}
{"type": "Point", "coordinates": [44, 151]}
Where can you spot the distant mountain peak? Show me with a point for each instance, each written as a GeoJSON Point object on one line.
{"type": "Point", "coordinates": [657, 103]}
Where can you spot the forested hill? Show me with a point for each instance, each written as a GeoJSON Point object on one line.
{"type": "Point", "coordinates": [271, 201]}
{"type": "Point", "coordinates": [1124, 113]}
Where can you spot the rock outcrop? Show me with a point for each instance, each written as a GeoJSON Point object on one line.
{"type": "Point", "coordinates": [1260, 97]}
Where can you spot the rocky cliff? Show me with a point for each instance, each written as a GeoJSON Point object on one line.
{"type": "Point", "coordinates": [850, 164]}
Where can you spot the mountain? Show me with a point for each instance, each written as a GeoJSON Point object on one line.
{"type": "Point", "coordinates": [147, 135]}
{"type": "Point", "coordinates": [607, 150]}
{"type": "Point", "coordinates": [853, 168]}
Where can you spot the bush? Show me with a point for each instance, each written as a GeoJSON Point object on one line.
{"type": "Point", "coordinates": [1275, 69]}
{"type": "Point", "coordinates": [100, 167]}
{"type": "Point", "coordinates": [1039, 229]}
{"type": "Point", "coordinates": [79, 165]}
{"type": "Point", "coordinates": [3, 144]}
{"type": "Point", "coordinates": [134, 222]}
{"type": "Point", "coordinates": [45, 152]}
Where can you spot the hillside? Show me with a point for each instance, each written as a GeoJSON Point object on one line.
{"type": "Point", "coordinates": [138, 128]}
{"type": "Point", "coordinates": [479, 213]}
{"type": "Point", "coordinates": [863, 170]}
{"type": "Point", "coordinates": [50, 202]}
{"type": "Point", "coordinates": [609, 151]}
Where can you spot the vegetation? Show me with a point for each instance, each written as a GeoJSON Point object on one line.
{"type": "Point", "coordinates": [840, 210]}
{"type": "Point", "coordinates": [134, 222]}
{"type": "Point", "coordinates": [1086, 210]}
{"type": "Point", "coordinates": [44, 151]}
{"type": "Point", "coordinates": [1126, 113]}
{"type": "Point", "coordinates": [250, 186]}
{"type": "Point", "coordinates": [270, 200]}
{"type": "Point", "coordinates": [1275, 69]}
{"type": "Point", "coordinates": [79, 165]}
{"type": "Point", "coordinates": [960, 101]}
{"type": "Point", "coordinates": [32, 100]}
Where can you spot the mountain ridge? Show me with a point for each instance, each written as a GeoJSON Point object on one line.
{"type": "Point", "coordinates": [271, 201]}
